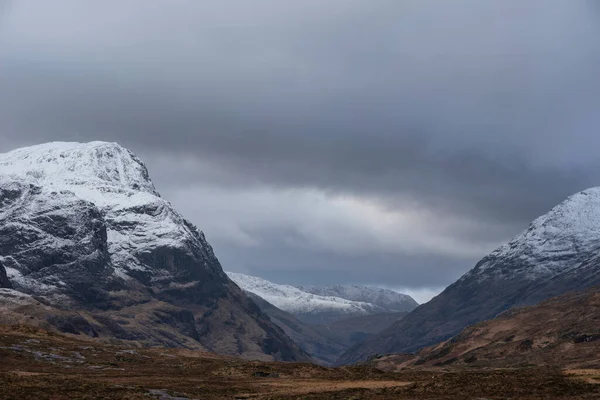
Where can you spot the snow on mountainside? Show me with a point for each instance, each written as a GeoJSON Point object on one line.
{"type": "Point", "coordinates": [539, 252]}
{"type": "Point", "coordinates": [83, 228]}
{"type": "Point", "coordinates": [302, 304]}
{"type": "Point", "coordinates": [117, 183]}
{"type": "Point", "coordinates": [387, 299]}
{"type": "Point", "coordinates": [559, 252]}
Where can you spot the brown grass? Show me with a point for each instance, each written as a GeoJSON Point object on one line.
{"type": "Point", "coordinates": [41, 365]}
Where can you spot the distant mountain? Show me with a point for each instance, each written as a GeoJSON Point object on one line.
{"type": "Point", "coordinates": [308, 307]}
{"type": "Point", "coordinates": [323, 325]}
{"type": "Point", "coordinates": [563, 331]}
{"type": "Point", "coordinates": [388, 300]}
{"type": "Point", "coordinates": [326, 343]}
{"type": "Point", "coordinates": [88, 246]}
{"type": "Point", "coordinates": [558, 253]}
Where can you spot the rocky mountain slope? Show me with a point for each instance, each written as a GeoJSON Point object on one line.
{"type": "Point", "coordinates": [558, 253]}
{"type": "Point", "coordinates": [563, 331]}
{"type": "Point", "coordinates": [308, 307]}
{"type": "Point", "coordinates": [387, 299]}
{"type": "Point", "coordinates": [87, 245]}
{"type": "Point", "coordinates": [324, 349]}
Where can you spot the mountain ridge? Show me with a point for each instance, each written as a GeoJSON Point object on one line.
{"type": "Point", "coordinates": [387, 299]}
{"type": "Point", "coordinates": [314, 308]}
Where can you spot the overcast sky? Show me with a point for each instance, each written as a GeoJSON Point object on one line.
{"type": "Point", "coordinates": [387, 142]}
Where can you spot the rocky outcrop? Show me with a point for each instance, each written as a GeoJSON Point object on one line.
{"type": "Point", "coordinates": [558, 253]}
{"type": "Point", "coordinates": [85, 233]}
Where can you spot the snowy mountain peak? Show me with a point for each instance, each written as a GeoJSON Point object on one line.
{"type": "Point", "coordinates": [107, 166]}
{"type": "Point", "coordinates": [539, 251]}
{"type": "Point", "coordinates": [112, 180]}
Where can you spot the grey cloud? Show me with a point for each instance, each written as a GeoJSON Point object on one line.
{"type": "Point", "coordinates": [287, 264]}
{"type": "Point", "coordinates": [485, 111]}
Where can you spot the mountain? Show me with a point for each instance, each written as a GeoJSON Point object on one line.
{"type": "Point", "coordinates": [563, 331]}
{"type": "Point", "coordinates": [324, 349]}
{"type": "Point", "coordinates": [326, 343]}
{"type": "Point", "coordinates": [559, 252]}
{"type": "Point", "coordinates": [388, 300]}
{"type": "Point", "coordinates": [88, 246]}
{"type": "Point", "coordinates": [324, 326]}
{"type": "Point", "coordinates": [308, 307]}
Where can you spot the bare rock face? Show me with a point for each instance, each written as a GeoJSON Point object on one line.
{"type": "Point", "coordinates": [558, 253]}
{"type": "Point", "coordinates": [53, 244]}
{"type": "Point", "coordinates": [4, 282]}
{"type": "Point", "coordinates": [84, 231]}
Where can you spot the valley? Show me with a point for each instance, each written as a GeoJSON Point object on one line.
{"type": "Point", "coordinates": [326, 321]}
{"type": "Point", "coordinates": [300, 200]}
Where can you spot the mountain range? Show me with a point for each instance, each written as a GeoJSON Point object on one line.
{"type": "Point", "coordinates": [326, 321]}
{"type": "Point", "coordinates": [89, 247]}
{"type": "Point", "coordinates": [386, 299]}
{"type": "Point", "coordinates": [326, 304]}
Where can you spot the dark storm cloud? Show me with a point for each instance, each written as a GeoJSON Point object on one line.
{"type": "Point", "coordinates": [485, 111]}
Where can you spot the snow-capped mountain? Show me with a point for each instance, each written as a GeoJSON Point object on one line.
{"type": "Point", "coordinates": [559, 252]}
{"type": "Point", "coordinates": [306, 306]}
{"type": "Point", "coordinates": [57, 179]}
{"type": "Point", "coordinates": [389, 300]}
{"type": "Point", "coordinates": [540, 252]}
{"type": "Point", "coordinates": [309, 307]}
{"type": "Point", "coordinates": [82, 228]}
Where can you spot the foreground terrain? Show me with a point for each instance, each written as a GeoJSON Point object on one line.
{"type": "Point", "coordinates": [37, 364]}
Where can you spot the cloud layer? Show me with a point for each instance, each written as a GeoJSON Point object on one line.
{"type": "Point", "coordinates": [393, 142]}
